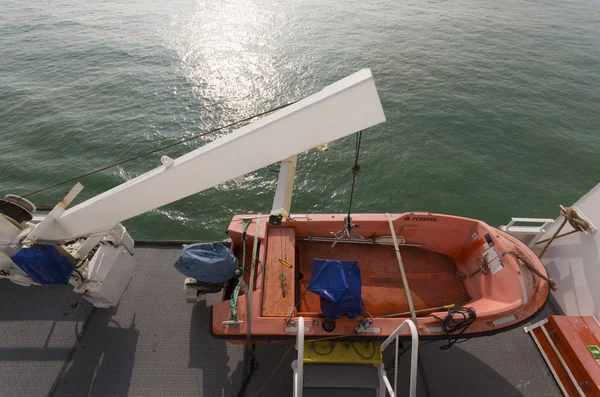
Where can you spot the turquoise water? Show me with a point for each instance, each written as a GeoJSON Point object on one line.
{"type": "Point", "coordinates": [492, 108]}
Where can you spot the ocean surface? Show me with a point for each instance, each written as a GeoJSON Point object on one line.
{"type": "Point", "coordinates": [493, 108]}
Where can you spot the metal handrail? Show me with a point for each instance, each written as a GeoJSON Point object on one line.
{"type": "Point", "coordinates": [414, 347]}
{"type": "Point", "coordinates": [545, 222]}
{"type": "Point", "coordinates": [299, 370]}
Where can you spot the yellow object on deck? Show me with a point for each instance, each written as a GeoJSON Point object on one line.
{"type": "Point", "coordinates": [342, 352]}
{"type": "Point", "coordinates": [285, 263]}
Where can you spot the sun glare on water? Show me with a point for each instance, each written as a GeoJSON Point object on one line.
{"type": "Point", "coordinates": [228, 52]}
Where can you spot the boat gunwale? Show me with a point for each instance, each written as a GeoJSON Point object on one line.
{"type": "Point", "coordinates": [513, 308]}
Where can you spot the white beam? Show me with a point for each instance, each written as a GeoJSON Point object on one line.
{"type": "Point", "coordinates": [347, 106]}
{"type": "Point", "coordinates": [285, 188]}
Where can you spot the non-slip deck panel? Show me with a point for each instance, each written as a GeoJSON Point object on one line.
{"type": "Point", "coordinates": [154, 344]}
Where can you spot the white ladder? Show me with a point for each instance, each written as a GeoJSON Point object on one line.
{"type": "Point", "coordinates": [298, 364]}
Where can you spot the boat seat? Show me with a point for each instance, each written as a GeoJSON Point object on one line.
{"type": "Point", "coordinates": [279, 296]}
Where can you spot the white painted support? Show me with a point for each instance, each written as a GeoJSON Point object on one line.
{"type": "Point", "coordinates": [285, 188]}
{"type": "Point", "coordinates": [295, 378]}
{"type": "Point", "coordinates": [48, 223]}
{"type": "Point", "coordinates": [299, 375]}
{"type": "Point", "coordinates": [340, 109]}
{"type": "Point", "coordinates": [386, 381]}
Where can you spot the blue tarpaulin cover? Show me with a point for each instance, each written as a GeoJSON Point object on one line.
{"type": "Point", "coordinates": [44, 264]}
{"type": "Point", "coordinates": [338, 283]}
{"type": "Point", "coordinates": [207, 262]}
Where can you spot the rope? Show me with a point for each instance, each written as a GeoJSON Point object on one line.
{"type": "Point", "coordinates": [151, 152]}
{"type": "Point", "coordinates": [576, 221]}
{"type": "Point", "coordinates": [236, 292]}
{"type": "Point", "coordinates": [402, 272]}
{"type": "Point", "coordinates": [534, 269]}
{"type": "Point", "coordinates": [360, 355]}
{"type": "Point", "coordinates": [484, 266]}
{"type": "Point", "coordinates": [457, 319]}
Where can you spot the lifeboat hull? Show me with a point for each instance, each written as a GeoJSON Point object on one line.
{"type": "Point", "coordinates": [450, 263]}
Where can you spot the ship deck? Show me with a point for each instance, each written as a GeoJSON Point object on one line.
{"type": "Point", "coordinates": [154, 344]}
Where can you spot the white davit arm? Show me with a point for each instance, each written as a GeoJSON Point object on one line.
{"type": "Point", "coordinates": [345, 107]}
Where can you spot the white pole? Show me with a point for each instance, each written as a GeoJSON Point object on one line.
{"type": "Point", "coordinates": [300, 347]}
{"type": "Point", "coordinates": [414, 356]}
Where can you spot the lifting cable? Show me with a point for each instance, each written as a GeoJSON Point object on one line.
{"type": "Point", "coordinates": [64, 182]}
{"type": "Point", "coordinates": [355, 171]}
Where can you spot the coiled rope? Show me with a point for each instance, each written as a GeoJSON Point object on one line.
{"type": "Point", "coordinates": [457, 319]}
{"type": "Point", "coordinates": [575, 219]}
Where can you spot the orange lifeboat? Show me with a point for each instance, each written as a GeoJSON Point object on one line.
{"type": "Point", "coordinates": [463, 277]}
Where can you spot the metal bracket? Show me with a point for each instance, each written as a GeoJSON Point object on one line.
{"type": "Point", "coordinates": [54, 215]}
{"type": "Point", "coordinates": [531, 327]}
{"type": "Point", "coordinates": [232, 323]}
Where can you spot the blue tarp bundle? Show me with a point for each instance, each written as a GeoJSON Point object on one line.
{"type": "Point", "coordinates": [207, 262]}
{"type": "Point", "coordinates": [338, 283]}
{"type": "Point", "coordinates": [44, 264]}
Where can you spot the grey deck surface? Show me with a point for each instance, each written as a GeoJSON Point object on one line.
{"type": "Point", "coordinates": [154, 344]}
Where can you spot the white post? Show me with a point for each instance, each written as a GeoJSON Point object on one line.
{"type": "Point", "coordinates": [386, 381]}
{"type": "Point", "coordinates": [300, 348]}
{"type": "Point", "coordinates": [285, 188]}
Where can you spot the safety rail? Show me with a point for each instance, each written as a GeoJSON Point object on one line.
{"type": "Point", "coordinates": [413, 358]}
{"type": "Point", "coordinates": [299, 363]}
{"type": "Point", "coordinates": [511, 227]}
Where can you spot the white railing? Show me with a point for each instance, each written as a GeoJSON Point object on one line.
{"type": "Point", "coordinates": [299, 363]}
{"type": "Point", "coordinates": [511, 227]}
{"type": "Point", "coordinates": [414, 347]}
